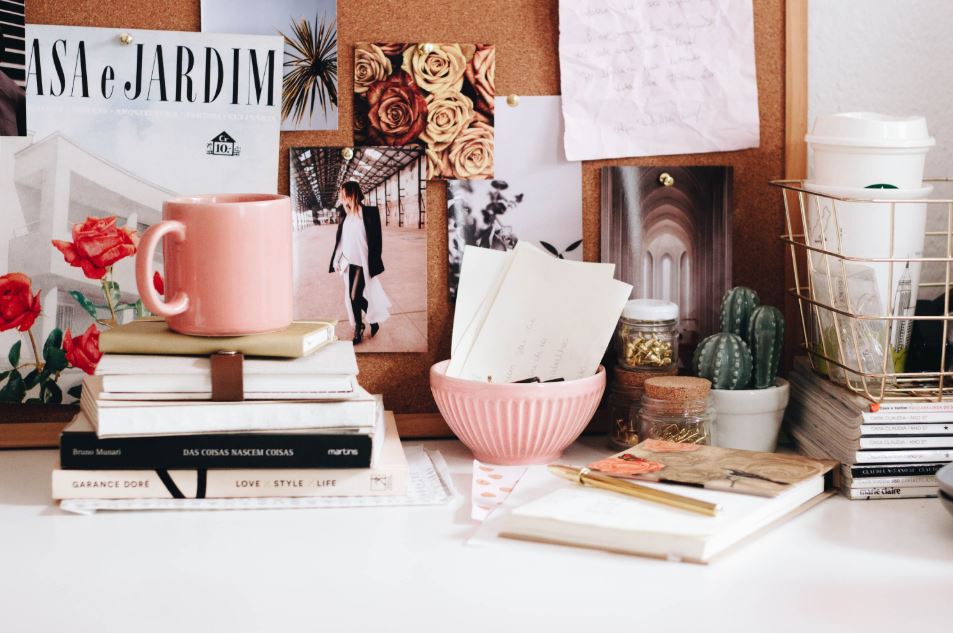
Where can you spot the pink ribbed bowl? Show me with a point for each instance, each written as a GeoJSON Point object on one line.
{"type": "Point", "coordinates": [516, 423]}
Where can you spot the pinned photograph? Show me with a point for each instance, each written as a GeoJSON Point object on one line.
{"type": "Point", "coordinates": [12, 70]}
{"type": "Point", "coordinates": [536, 194]}
{"type": "Point", "coordinates": [668, 232]}
{"type": "Point", "coordinates": [435, 96]}
{"type": "Point", "coordinates": [360, 243]}
{"type": "Point", "coordinates": [309, 28]}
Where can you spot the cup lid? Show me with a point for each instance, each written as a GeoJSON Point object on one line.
{"type": "Point", "coordinates": [650, 310]}
{"type": "Point", "coordinates": [870, 129]}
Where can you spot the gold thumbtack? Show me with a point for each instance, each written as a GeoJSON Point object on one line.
{"type": "Point", "coordinates": [125, 39]}
{"type": "Point", "coordinates": [427, 48]}
{"type": "Point", "coordinates": [666, 179]}
{"type": "Point", "coordinates": [512, 100]}
{"type": "Point", "coordinates": [347, 153]}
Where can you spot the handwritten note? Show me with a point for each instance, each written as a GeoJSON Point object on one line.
{"type": "Point", "coordinates": [656, 77]}
{"type": "Point", "coordinates": [545, 318]}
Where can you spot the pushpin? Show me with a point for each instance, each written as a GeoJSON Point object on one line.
{"type": "Point", "coordinates": [427, 48]}
{"type": "Point", "coordinates": [125, 39]}
{"type": "Point", "coordinates": [347, 153]}
{"type": "Point", "coordinates": [512, 100]}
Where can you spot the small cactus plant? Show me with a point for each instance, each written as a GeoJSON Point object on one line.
{"type": "Point", "coordinates": [736, 308]}
{"type": "Point", "coordinates": [747, 352]}
{"type": "Point", "coordinates": [765, 340]}
{"type": "Point", "coordinates": [725, 360]}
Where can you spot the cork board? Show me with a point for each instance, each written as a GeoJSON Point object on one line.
{"type": "Point", "coordinates": [526, 34]}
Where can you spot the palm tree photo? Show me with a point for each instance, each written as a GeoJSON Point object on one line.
{"type": "Point", "coordinates": [311, 68]}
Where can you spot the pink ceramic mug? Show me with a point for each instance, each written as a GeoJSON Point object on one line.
{"type": "Point", "coordinates": [227, 264]}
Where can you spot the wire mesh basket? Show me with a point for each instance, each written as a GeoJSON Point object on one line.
{"type": "Point", "coordinates": [872, 278]}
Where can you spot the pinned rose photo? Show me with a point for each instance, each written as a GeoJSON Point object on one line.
{"type": "Point", "coordinates": [432, 95]}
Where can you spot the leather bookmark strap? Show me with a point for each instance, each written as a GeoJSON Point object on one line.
{"type": "Point", "coordinates": [227, 383]}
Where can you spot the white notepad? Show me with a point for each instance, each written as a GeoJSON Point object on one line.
{"type": "Point", "coordinates": [544, 508]}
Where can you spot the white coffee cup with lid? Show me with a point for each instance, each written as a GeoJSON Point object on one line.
{"type": "Point", "coordinates": [866, 149]}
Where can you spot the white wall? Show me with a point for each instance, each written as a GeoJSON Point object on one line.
{"type": "Point", "coordinates": [888, 56]}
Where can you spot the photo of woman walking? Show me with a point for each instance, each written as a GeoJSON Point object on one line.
{"type": "Point", "coordinates": [358, 259]}
{"type": "Point", "coordinates": [358, 212]}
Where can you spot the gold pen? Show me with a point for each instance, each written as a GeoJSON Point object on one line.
{"type": "Point", "coordinates": [586, 477]}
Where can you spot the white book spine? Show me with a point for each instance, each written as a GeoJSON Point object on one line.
{"type": "Point", "coordinates": [908, 417]}
{"type": "Point", "coordinates": [225, 484]}
{"type": "Point", "coordinates": [911, 442]}
{"type": "Point", "coordinates": [907, 429]}
{"type": "Point", "coordinates": [897, 407]}
{"type": "Point", "coordinates": [901, 456]}
{"type": "Point", "coordinates": [902, 482]}
{"type": "Point", "coordinates": [891, 492]}
{"type": "Point", "coordinates": [179, 418]}
{"type": "Point", "coordinates": [202, 383]}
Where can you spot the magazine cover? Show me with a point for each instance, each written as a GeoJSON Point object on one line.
{"type": "Point", "coordinates": [120, 121]}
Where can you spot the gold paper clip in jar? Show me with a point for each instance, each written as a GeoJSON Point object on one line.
{"type": "Point", "coordinates": [647, 336]}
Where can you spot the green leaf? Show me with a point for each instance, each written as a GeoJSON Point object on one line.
{"type": "Point", "coordinates": [4, 374]}
{"type": "Point", "coordinates": [114, 293]}
{"type": "Point", "coordinates": [53, 341]}
{"type": "Point", "coordinates": [14, 390]}
{"type": "Point", "coordinates": [51, 393]}
{"type": "Point", "coordinates": [55, 361]}
{"type": "Point", "coordinates": [76, 391]}
{"type": "Point", "coordinates": [14, 355]}
{"type": "Point", "coordinates": [86, 304]}
{"type": "Point", "coordinates": [140, 310]}
{"type": "Point", "coordinates": [34, 401]}
{"type": "Point", "coordinates": [32, 379]}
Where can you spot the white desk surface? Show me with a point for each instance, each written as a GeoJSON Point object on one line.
{"type": "Point", "coordinates": [842, 566]}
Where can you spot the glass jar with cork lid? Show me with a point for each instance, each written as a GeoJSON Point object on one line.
{"type": "Point", "coordinates": [646, 337]}
{"type": "Point", "coordinates": [677, 409]}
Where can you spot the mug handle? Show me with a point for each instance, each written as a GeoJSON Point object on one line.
{"type": "Point", "coordinates": [144, 271]}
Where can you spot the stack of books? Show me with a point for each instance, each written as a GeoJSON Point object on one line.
{"type": "Point", "coordinates": [301, 426]}
{"type": "Point", "coordinates": [890, 450]}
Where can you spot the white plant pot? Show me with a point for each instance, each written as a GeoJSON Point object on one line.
{"type": "Point", "coordinates": [750, 419]}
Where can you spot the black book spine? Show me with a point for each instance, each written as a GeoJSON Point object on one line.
{"type": "Point", "coordinates": [85, 451]}
{"type": "Point", "coordinates": [898, 470]}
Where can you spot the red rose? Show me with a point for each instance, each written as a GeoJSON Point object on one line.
{"type": "Point", "coordinates": [397, 112]}
{"type": "Point", "coordinates": [83, 352]}
{"type": "Point", "coordinates": [98, 244]}
{"type": "Point", "coordinates": [18, 306]}
{"type": "Point", "coordinates": [157, 283]}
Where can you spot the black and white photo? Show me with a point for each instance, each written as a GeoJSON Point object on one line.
{"type": "Point", "coordinates": [535, 195]}
{"type": "Point", "coordinates": [12, 69]}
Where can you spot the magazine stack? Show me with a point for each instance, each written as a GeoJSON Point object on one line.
{"type": "Point", "coordinates": [196, 422]}
{"type": "Point", "coordinates": [887, 451]}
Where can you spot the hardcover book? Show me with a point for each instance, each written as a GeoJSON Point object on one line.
{"type": "Point", "coordinates": [153, 336]}
{"type": "Point", "coordinates": [387, 476]}
{"type": "Point", "coordinates": [328, 374]}
{"type": "Point", "coordinates": [81, 448]}
{"type": "Point", "coordinates": [125, 418]}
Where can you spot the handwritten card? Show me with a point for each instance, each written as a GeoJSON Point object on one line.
{"type": "Point", "coordinates": [656, 77]}
{"type": "Point", "coordinates": [550, 318]}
